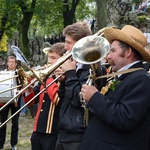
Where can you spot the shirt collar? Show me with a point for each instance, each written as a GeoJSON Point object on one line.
{"type": "Point", "coordinates": [79, 66]}
{"type": "Point", "coordinates": [127, 67]}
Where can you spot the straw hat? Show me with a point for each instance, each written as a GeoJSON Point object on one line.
{"type": "Point", "coordinates": [131, 36]}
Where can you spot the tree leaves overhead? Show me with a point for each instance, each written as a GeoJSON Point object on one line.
{"type": "Point", "coordinates": [34, 18]}
{"type": "Point", "coordinates": [9, 16]}
{"type": "Point", "coordinates": [48, 14]}
{"type": "Point", "coordinates": [51, 13]}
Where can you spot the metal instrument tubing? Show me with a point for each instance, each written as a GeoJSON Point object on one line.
{"type": "Point", "coordinates": [10, 89]}
{"type": "Point", "coordinates": [29, 101]}
{"type": "Point", "coordinates": [9, 78]}
{"type": "Point", "coordinates": [16, 95]}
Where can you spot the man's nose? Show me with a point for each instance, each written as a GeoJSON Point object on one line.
{"type": "Point", "coordinates": [66, 46]}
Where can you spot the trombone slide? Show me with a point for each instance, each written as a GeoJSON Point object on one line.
{"type": "Point", "coordinates": [9, 81]}
{"type": "Point", "coordinates": [2, 124]}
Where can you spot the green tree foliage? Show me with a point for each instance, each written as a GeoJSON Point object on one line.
{"type": "Point", "coordinates": [3, 43]}
{"type": "Point", "coordinates": [9, 17]}
{"type": "Point", "coordinates": [33, 18]}
{"type": "Point", "coordinates": [48, 18]}
{"type": "Point", "coordinates": [85, 10]}
{"type": "Point", "coordinates": [52, 20]}
{"type": "Point", "coordinates": [27, 14]}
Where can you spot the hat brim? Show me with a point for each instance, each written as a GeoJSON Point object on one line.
{"type": "Point", "coordinates": [116, 34]}
{"type": "Point", "coordinates": [46, 50]}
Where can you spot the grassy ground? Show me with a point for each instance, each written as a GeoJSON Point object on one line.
{"type": "Point", "coordinates": [25, 131]}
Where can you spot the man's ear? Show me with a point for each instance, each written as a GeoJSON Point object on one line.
{"type": "Point", "coordinates": [129, 52]}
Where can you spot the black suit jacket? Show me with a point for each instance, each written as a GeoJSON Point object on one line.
{"type": "Point", "coordinates": [146, 66]}
{"type": "Point", "coordinates": [121, 119]}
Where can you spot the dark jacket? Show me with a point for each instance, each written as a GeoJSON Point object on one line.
{"type": "Point", "coordinates": [71, 126]}
{"type": "Point", "coordinates": [146, 66]}
{"type": "Point", "coordinates": [121, 118]}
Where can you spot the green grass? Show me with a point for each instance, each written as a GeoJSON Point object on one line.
{"type": "Point", "coordinates": [25, 131]}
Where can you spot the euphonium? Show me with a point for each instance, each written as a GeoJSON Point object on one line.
{"type": "Point", "coordinates": [90, 50]}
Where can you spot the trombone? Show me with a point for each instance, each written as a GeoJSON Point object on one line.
{"type": "Point", "coordinates": [1, 125]}
{"type": "Point", "coordinates": [41, 77]}
{"type": "Point", "coordinates": [9, 78]}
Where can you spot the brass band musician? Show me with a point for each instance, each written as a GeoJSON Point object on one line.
{"type": "Point", "coordinates": [71, 120]}
{"type": "Point", "coordinates": [45, 125]}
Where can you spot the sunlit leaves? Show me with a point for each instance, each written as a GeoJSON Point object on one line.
{"type": "Point", "coordinates": [3, 43]}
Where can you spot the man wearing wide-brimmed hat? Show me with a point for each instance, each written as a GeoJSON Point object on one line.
{"type": "Point", "coordinates": [120, 116]}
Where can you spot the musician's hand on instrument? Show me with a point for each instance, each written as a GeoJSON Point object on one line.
{"type": "Point", "coordinates": [59, 72]}
{"type": "Point", "coordinates": [69, 65]}
{"type": "Point", "coordinates": [87, 92]}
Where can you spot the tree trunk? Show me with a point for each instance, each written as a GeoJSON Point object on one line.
{"type": "Point", "coordinates": [3, 25]}
{"type": "Point", "coordinates": [23, 36]}
{"type": "Point", "coordinates": [68, 18]}
{"type": "Point", "coordinates": [101, 14]}
{"type": "Point", "coordinates": [69, 14]}
{"type": "Point", "coordinates": [24, 27]}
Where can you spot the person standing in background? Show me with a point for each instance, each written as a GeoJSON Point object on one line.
{"type": "Point", "coordinates": [14, 107]}
{"type": "Point", "coordinates": [93, 24]}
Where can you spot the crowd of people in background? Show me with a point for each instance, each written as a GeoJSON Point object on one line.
{"type": "Point", "coordinates": [54, 38]}
{"type": "Point", "coordinates": [142, 5]}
